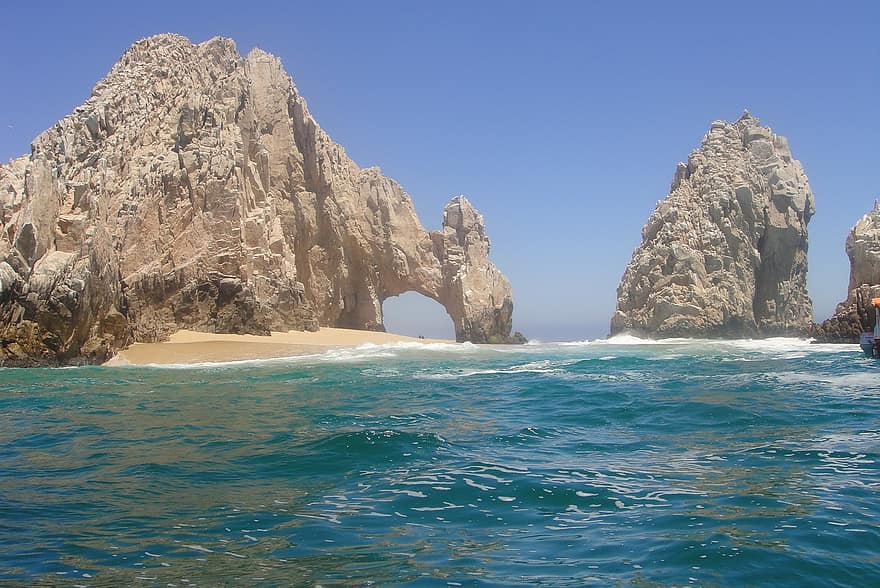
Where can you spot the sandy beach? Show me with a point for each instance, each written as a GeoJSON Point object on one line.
{"type": "Point", "coordinates": [195, 347]}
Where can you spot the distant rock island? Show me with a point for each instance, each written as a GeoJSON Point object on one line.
{"type": "Point", "coordinates": [725, 253]}
{"type": "Point", "coordinates": [193, 190]}
{"type": "Point", "coordinates": [855, 315]}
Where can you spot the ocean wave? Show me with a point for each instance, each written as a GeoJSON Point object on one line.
{"type": "Point", "coordinates": [236, 363]}
{"type": "Point", "coordinates": [786, 344]}
{"type": "Point", "coordinates": [364, 443]}
{"type": "Point", "coordinates": [364, 352]}
{"type": "Point", "coordinates": [771, 344]}
{"type": "Point", "coordinates": [545, 366]}
{"type": "Point", "coordinates": [862, 383]}
{"type": "Point", "coordinates": [465, 347]}
{"type": "Point", "coordinates": [626, 339]}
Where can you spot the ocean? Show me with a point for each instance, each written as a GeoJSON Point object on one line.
{"type": "Point", "coordinates": [603, 463]}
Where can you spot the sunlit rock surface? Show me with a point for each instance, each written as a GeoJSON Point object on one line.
{"type": "Point", "coordinates": [194, 190]}
{"type": "Point", "coordinates": [856, 314]}
{"type": "Point", "coordinates": [725, 253]}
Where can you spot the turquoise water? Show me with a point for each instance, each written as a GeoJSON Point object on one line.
{"type": "Point", "coordinates": [592, 464]}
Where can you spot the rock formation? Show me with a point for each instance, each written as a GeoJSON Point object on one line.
{"type": "Point", "coordinates": [193, 189]}
{"type": "Point", "coordinates": [855, 315]}
{"type": "Point", "coordinates": [725, 254]}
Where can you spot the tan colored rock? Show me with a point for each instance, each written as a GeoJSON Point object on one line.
{"type": "Point", "coordinates": [855, 315]}
{"type": "Point", "coordinates": [194, 190]}
{"type": "Point", "coordinates": [725, 253]}
{"type": "Point", "coordinates": [863, 250]}
{"type": "Point", "coordinates": [476, 293]}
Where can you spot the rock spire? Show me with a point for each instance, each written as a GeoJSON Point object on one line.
{"type": "Point", "coordinates": [194, 189]}
{"type": "Point", "coordinates": [725, 253]}
{"type": "Point", "coordinates": [855, 315]}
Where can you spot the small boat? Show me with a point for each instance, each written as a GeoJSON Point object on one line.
{"type": "Point", "coordinates": [870, 341]}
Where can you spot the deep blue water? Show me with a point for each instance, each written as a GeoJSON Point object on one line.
{"type": "Point", "coordinates": [602, 464]}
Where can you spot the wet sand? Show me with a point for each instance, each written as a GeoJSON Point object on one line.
{"type": "Point", "coordinates": [194, 347]}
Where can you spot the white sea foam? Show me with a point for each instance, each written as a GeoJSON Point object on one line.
{"type": "Point", "coordinates": [786, 344]}
{"type": "Point", "coordinates": [771, 344]}
{"type": "Point", "coordinates": [780, 347]}
{"type": "Point", "coordinates": [626, 339]}
{"type": "Point", "coordinates": [534, 367]}
{"type": "Point", "coordinates": [865, 383]}
{"type": "Point", "coordinates": [365, 352]}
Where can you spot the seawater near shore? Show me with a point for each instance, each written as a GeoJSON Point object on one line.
{"type": "Point", "coordinates": [191, 347]}
{"type": "Point", "coordinates": [591, 463]}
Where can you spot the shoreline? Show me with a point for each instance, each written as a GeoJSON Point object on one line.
{"type": "Point", "coordinates": [190, 347]}
{"type": "Point", "coordinates": [187, 347]}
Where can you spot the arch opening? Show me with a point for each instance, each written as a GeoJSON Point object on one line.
{"type": "Point", "coordinates": [415, 314]}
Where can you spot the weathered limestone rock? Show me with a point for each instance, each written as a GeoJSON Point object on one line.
{"type": "Point", "coordinates": [852, 317]}
{"type": "Point", "coordinates": [725, 254]}
{"type": "Point", "coordinates": [194, 190]}
{"type": "Point", "coordinates": [855, 315]}
{"type": "Point", "coordinates": [863, 250]}
{"type": "Point", "coordinates": [476, 293]}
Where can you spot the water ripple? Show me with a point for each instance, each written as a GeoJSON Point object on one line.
{"type": "Point", "coordinates": [594, 464]}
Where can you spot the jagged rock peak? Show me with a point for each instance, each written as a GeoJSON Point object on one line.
{"type": "Point", "coordinates": [194, 189]}
{"type": "Point", "coordinates": [725, 253]}
{"type": "Point", "coordinates": [855, 315]}
{"type": "Point", "coordinates": [747, 118]}
{"type": "Point", "coordinates": [863, 250]}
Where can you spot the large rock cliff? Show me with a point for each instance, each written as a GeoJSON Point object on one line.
{"type": "Point", "coordinates": [193, 189]}
{"type": "Point", "coordinates": [725, 254]}
{"type": "Point", "coordinates": [855, 315]}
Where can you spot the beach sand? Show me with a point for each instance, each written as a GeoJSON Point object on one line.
{"type": "Point", "coordinates": [185, 347]}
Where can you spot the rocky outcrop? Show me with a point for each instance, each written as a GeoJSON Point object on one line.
{"type": "Point", "coordinates": [195, 190]}
{"type": "Point", "coordinates": [855, 315]}
{"type": "Point", "coordinates": [852, 317]}
{"type": "Point", "coordinates": [725, 254]}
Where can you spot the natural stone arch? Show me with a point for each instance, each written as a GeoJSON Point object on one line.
{"type": "Point", "coordinates": [450, 265]}
{"type": "Point", "coordinates": [209, 198]}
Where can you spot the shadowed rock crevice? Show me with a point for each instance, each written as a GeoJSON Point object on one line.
{"type": "Point", "coordinates": [725, 253]}
{"type": "Point", "coordinates": [195, 190]}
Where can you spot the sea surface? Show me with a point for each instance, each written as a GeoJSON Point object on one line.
{"type": "Point", "coordinates": [604, 463]}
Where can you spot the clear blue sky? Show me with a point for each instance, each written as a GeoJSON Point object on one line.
{"type": "Point", "coordinates": [561, 121]}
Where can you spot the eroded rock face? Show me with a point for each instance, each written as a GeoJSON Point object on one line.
{"type": "Point", "coordinates": [725, 254]}
{"type": "Point", "coordinates": [477, 293]}
{"type": "Point", "coordinates": [855, 315]}
{"type": "Point", "coordinates": [194, 190]}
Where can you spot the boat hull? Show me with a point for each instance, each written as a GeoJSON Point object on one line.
{"type": "Point", "coordinates": [868, 344]}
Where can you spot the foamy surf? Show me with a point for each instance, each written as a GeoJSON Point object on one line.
{"type": "Point", "coordinates": [535, 367]}
{"type": "Point", "coordinates": [625, 339]}
{"type": "Point", "coordinates": [356, 354]}
{"type": "Point", "coordinates": [627, 345]}
{"type": "Point", "coordinates": [770, 344]}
